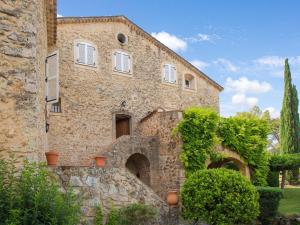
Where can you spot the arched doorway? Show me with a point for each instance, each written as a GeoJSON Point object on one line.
{"type": "Point", "coordinates": [139, 165]}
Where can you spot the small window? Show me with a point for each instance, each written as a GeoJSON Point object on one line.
{"type": "Point", "coordinates": [189, 82]}
{"type": "Point", "coordinates": [169, 74]}
{"type": "Point", "coordinates": [122, 62]}
{"type": "Point", "coordinates": [85, 54]}
{"type": "Point", "coordinates": [122, 38]}
{"type": "Point", "coordinates": [56, 107]}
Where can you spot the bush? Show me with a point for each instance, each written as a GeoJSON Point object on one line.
{"type": "Point", "coordinates": [32, 196]}
{"type": "Point", "coordinates": [133, 214]}
{"type": "Point", "coordinates": [219, 196]}
{"type": "Point", "coordinates": [99, 216]}
{"type": "Point", "coordinates": [269, 202]}
{"type": "Point", "coordinates": [273, 179]}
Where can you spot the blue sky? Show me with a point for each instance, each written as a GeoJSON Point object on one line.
{"type": "Point", "coordinates": [240, 44]}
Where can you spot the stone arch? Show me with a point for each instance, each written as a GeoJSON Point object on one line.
{"type": "Point", "coordinates": [230, 157]}
{"type": "Point", "coordinates": [139, 165]}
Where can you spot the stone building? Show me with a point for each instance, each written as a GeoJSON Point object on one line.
{"type": "Point", "coordinates": [27, 37]}
{"type": "Point", "coordinates": [121, 95]}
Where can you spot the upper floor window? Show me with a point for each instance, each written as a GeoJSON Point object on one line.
{"type": "Point", "coordinates": [189, 82]}
{"type": "Point", "coordinates": [56, 107]}
{"type": "Point", "coordinates": [122, 62]}
{"type": "Point", "coordinates": [85, 54]}
{"type": "Point", "coordinates": [169, 74]}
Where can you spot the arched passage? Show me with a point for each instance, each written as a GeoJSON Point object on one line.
{"type": "Point", "coordinates": [139, 165]}
{"type": "Point", "coordinates": [231, 160]}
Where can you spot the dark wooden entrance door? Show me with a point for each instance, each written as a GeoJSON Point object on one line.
{"type": "Point", "coordinates": [122, 126]}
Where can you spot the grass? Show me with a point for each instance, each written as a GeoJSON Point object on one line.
{"type": "Point", "coordinates": [290, 203]}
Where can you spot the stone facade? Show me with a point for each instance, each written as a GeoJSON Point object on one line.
{"type": "Point", "coordinates": [24, 44]}
{"type": "Point", "coordinates": [111, 187]}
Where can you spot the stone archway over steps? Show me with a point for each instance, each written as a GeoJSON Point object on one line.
{"type": "Point", "coordinates": [230, 156]}
{"type": "Point", "coordinates": [139, 165]}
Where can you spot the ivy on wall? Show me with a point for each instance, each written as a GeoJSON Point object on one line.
{"type": "Point", "coordinates": [202, 129]}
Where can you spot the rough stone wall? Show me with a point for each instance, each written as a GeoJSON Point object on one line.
{"type": "Point", "coordinates": [170, 173]}
{"type": "Point", "coordinates": [109, 187]}
{"type": "Point", "coordinates": [23, 48]}
{"type": "Point", "coordinates": [91, 96]}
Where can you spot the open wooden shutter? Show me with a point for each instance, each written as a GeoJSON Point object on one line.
{"type": "Point", "coordinates": [166, 73]}
{"type": "Point", "coordinates": [118, 61]}
{"type": "Point", "coordinates": [52, 78]}
{"type": "Point", "coordinates": [80, 53]}
{"type": "Point", "coordinates": [91, 55]}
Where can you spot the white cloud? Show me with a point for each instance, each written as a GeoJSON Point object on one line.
{"type": "Point", "coordinates": [199, 64]}
{"type": "Point", "coordinates": [59, 15]}
{"type": "Point", "coordinates": [226, 64]}
{"type": "Point", "coordinates": [274, 113]}
{"type": "Point", "coordinates": [277, 61]}
{"type": "Point", "coordinates": [203, 38]}
{"type": "Point", "coordinates": [243, 85]}
{"type": "Point", "coordinates": [170, 40]}
{"type": "Point", "coordinates": [243, 100]}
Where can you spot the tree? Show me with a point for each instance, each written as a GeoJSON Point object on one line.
{"type": "Point", "coordinates": [289, 117]}
{"type": "Point", "coordinates": [219, 196]}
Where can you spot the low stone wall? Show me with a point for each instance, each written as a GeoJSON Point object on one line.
{"type": "Point", "coordinates": [110, 187]}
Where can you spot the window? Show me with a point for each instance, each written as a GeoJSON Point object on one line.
{"type": "Point", "coordinates": [169, 73]}
{"type": "Point", "coordinates": [122, 38]}
{"type": "Point", "coordinates": [85, 54]}
{"type": "Point", "coordinates": [122, 62]}
{"type": "Point", "coordinates": [56, 107]}
{"type": "Point", "coordinates": [52, 78]}
{"type": "Point", "coordinates": [189, 82]}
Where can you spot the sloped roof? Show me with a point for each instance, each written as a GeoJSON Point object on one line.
{"type": "Point", "coordinates": [140, 31]}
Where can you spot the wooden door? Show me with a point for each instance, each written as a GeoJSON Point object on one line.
{"type": "Point", "coordinates": [122, 127]}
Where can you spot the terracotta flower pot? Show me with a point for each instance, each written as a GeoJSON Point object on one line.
{"type": "Point", "coordinates": [172, 198]}
{"type": "Point", "coordinates": [100, 161]}
{"type": "Point", "coordinates": [52, 158]}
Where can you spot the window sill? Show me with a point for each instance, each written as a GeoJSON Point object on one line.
{"type": "Point", "coordinates": [117, 73]}
{"type": "Point", "coordinates": [190, 90]}
{"type": "Point", "coordinates": [84, 66]}
{"type": "Point", "coordinates": [169, 84]}
{"type": "Point", "coordinates": [56, 114]}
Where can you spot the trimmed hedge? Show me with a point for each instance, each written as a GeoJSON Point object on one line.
{"type": "Point", "coordinates": [281, 162]}
{"type": "Point", "coordinates": [219, 197]}
{"type": "Point", "coordinates": [269, 198]}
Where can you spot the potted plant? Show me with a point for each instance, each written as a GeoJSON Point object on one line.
{"type": "Point", "coordinates": [100, 161]}
{"type": "Point", "coordinates": [172, 198]}
{"type": "Point", "coordinates": [52, 158]}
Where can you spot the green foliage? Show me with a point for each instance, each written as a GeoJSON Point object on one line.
{"type": "Point", "coordinates": [113, 217]}
{"type": "Point", "coordinates": [269, 201]}
{"type": "Point", "coordinates": [198, 132]}
{"type": "Point", "coordinates": [133, 214]}
{"type": "Point", "coordinates": [32, 197]}
{"type": "Point", "coordinates": [289, 126]}
{"type": "Point", "coordinates": [219, 197]}
{"type": "Point", "coordinates": [99, 216]}
{"type": "Point", "coordinates": [280, 162]}
{"type": "Point", "coordinates": [249, 138]}
{"type": "Point", "coordinates": [273, 178]}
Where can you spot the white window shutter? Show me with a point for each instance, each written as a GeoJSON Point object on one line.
{"type": "Point", "coordinates": [166, 73]}
{"type": "Point", "coordinates": [118, 61]}
{"type": "Point", "coordinates": [81, 56]}
{"type": "Point", "coordinates": [52, 78]}
{"type": "Point", "coordinates": [126, 63]}
{"type": "Point", "coordinates": [90, 57]}
{"type": "Point", "coordinates": [173, 74]}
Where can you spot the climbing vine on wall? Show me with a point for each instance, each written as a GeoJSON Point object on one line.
{"type": "Point", "coordinates": [202, 129]}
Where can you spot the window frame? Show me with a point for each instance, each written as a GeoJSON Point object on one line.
{"type": "Point", "coordinates": [76, 53]}
{"type": "Point", "coordinates": [170, 65]}
{"type": "Point", "coordinates": [190, 88]}
{"type": "Point", "coordinates": [57, 106]}
{"type": "Point", "coordinates": [114, 66]}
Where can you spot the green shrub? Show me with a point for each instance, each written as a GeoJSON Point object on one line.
{"type": "Point", "coordinates": [32, 197]}
{"type": "Point", "coordinates": [133, 214]}
{"type": "Point", "coordinates": [137, 214]}
{"type": "Point", "coordinates": [269, 202]}
{"type": "Point", "coordinates": [273, 179]}
{"type": "Point", "coordinates": [219, 197]}
{"type": "Point", "coordinates": [99, 216]}
{"type": "Point", "coordinates": [113, 217]}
